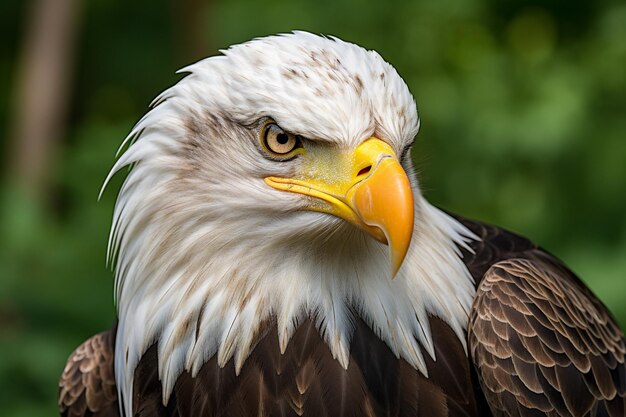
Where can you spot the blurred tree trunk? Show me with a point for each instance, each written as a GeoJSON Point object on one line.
{"type": "Point", "coordinates": [192, 29]}
{"type": "Point", "coordinates": [41, 92]}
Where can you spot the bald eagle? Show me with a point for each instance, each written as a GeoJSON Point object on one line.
{"type": "Point", "coordinates": [275, 257]}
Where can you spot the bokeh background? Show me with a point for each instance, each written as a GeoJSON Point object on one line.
{"type": "Point", "coordinates": [523, 125]}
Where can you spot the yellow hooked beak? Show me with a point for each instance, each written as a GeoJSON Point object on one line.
{"type": "Point", "coordinates": [367, 187]}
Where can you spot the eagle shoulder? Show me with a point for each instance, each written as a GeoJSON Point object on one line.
{"type": "Point", "coordinates": [87, 385]}
{"type": "Point", "coordinates": [543, 344]}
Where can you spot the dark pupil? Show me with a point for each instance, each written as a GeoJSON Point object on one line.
{"type": "Point", "coordinates": [282, 138]}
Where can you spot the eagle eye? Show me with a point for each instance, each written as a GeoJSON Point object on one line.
{"type": "Point", "coordinates": [278, 143]}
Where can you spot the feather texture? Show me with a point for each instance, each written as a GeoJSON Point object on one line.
{"type": "Point", "coordinates": [542, 343]}
{"type": "Point", "coordinates": [307, 381]}
{"type": "Point", "coordinates": [87, 385]}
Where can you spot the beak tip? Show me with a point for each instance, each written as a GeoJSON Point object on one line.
{"type": "Point", "coordinates": [396, 265]}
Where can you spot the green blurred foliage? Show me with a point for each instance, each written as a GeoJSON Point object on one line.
{"type": "Point", "coordinates": [522, 108]}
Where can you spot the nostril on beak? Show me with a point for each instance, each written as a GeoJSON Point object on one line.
{"type": "Point", "coordinates": [364, 171]}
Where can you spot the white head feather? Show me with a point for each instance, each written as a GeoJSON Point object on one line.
{"type": "Point", "coordinates": [207, 252]}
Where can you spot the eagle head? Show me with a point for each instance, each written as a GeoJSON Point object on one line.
{"type": "Point", "coordinates": [274, 183]}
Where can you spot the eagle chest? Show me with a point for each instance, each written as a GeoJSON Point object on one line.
{"type": "Point", "coordinates": [307, 381]}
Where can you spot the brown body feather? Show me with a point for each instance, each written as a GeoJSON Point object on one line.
{"type": "Point", "coordinates": [306, 380]}
{"type": "Point", "coordinates": [87, 385]}
{"type": "Point", "coordinates": [540, 343]}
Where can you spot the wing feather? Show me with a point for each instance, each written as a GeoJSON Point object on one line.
{"type": "Point", "coordinates": [543, 344]}
{"type": "Point", "coordinates": [87, 385]}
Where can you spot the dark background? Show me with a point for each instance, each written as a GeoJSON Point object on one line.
{"type": "Point", "coordinates": [523, 121]}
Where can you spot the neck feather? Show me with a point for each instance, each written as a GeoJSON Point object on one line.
{"type": "Point", "coordinates": [200, 293]}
